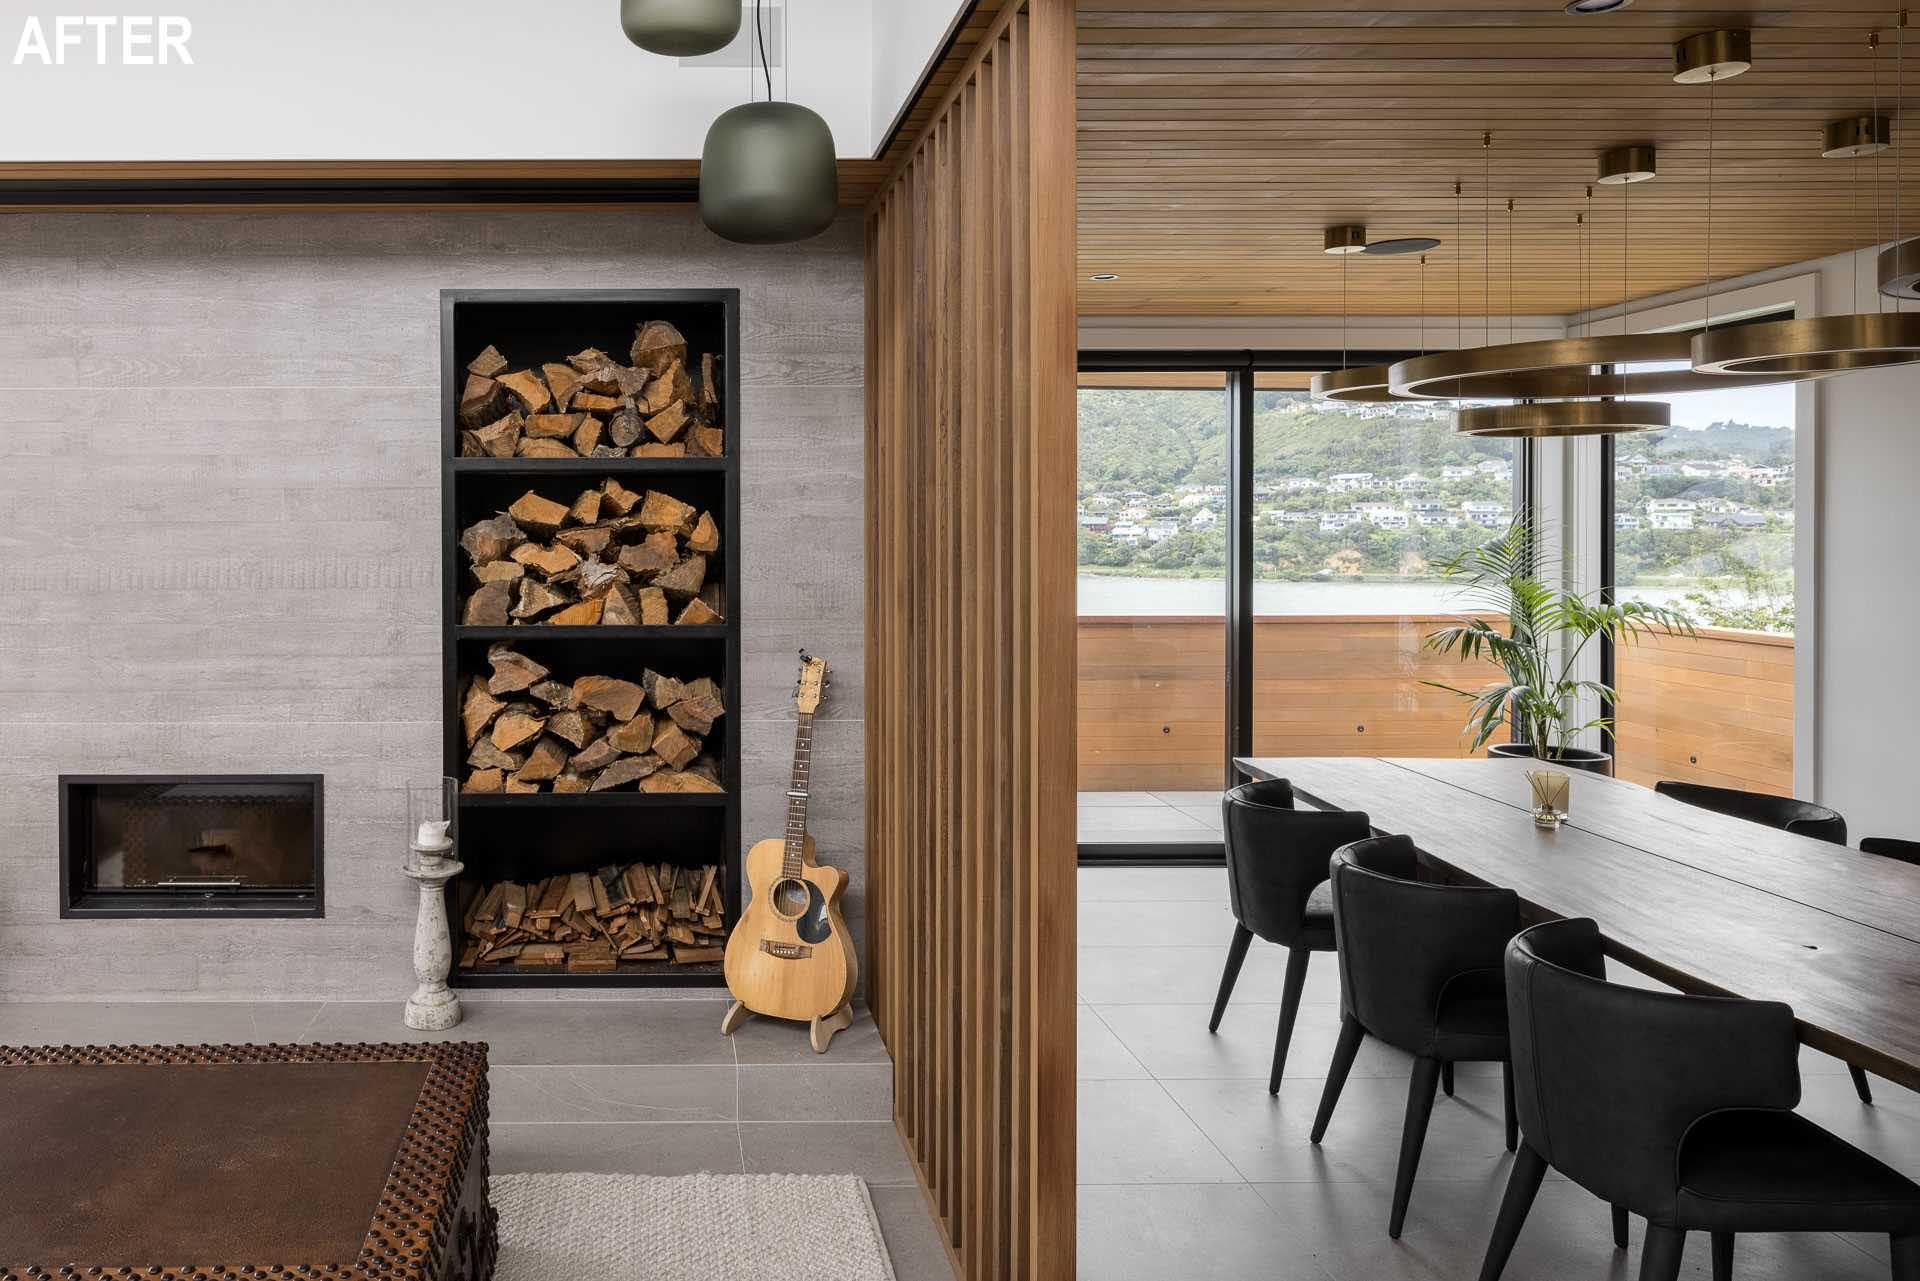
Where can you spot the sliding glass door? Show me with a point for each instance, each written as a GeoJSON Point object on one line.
{"type": "Point", "coordinates": [1153, 513]}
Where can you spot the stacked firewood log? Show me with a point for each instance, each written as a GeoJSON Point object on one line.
{"type": "Point", "coordinates": [592, 406]}
{"type": "Point", "coordinates": [527, 732]}
{"type": "Point", "coordinates": [610, 557]}
{"type": "Point", "coordinates": [595, 920]}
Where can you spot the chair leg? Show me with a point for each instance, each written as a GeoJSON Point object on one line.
{"type": "Point", "coordinates": [1529, 1167]}
{"type": "Point", "coordinates": [1723, 1256]}
{"type": "Point", "coordinates": [1446, 1079]}
{"type": "Point", "coordinates": [1297, 958]}
{"type": "Point", "coordinates": [1906, 1258]}
{"type": "Point", "coordinates": [1660, 1253]}
{"type": "Point", "coordinates": [1860, 1085]}
{"type": "Point", "coordinates": [1619, 1227]}
{"type": "Point", "coordinates": [1236, 956]}
{"type": "Point", "coordinates": [1420, 1091]}
{"type": "Point", "coordinates": [1513, 1118]}
{"type": "Point", "coordinates": [1351, 1034]}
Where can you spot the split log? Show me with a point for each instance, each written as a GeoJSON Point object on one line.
{"type": "Point", "coordinates": [546, 561]}
{"type": "Point", "coordinates": [555, 694]}
{"type": "Point", "coordinates": [499, 438]}
{"type": "Point", "coordinates": [536, 598]}
{"type": "Point", "coordinates": [569, 783]}
{"type": "Point", "coordinates": [488, 363]}
{"type": "Point", "coordinates": [544, 763]}
{"type": "Point", "coordinates": [596, 578]}
{"type": "Point", "coordinates": [697, 713]}
{"type": "Point", "coordinates": [587, 434]}
{"type": "Point", "coordinates": [622, 610]}
{"type": "Point", "coordinates": [625, 427]}
{"type": "Point", "coordinates": [589, 541]}
{"type": "Point", "coordinates": [669, 422]}
{"type": "Point", "coordinates": [561, 380]}
{"type": "Point", "coordinates": [679, 782]}
{"type": "Point", "coordinates": [586, 508]}
{"type": "Point", "coordinates": [492, 539]}
{"type": "Point", "coordinates": [500, 571]}
{"type": "Point", "coordinates": [657, 345]}
{"type": "Point", "coordinates": [478, 709]}
{"type": "Point", "coordinates": [684, 581]}
{"type": "Point", "coordinates": [709, 386]}
{"type": "Point", "coordinates": [539, 516]}
{"type": "Point", "coordinates": [618, 498]}
{"type": "Point", "coordinates": [705, 537]}
{"type": "Point", "coordinates": [572, 726]}
{"type": "Point", "coordinates": [516, 727]}
{"type": "Point", "coordinates": [484, 781]}
{"type": "Point", "coordinates": [584, 614]}
{"type": "Point", "coordinates": [670, 743]}
{"type": "Point", "coordinates": [628, 769]}
{"type": "Point", "coordinates": [481, 401]}
{"type": "Point", "coordinates": [512, 670]}
{"type": "Point", "coordinates": [698, 955]}
{"type": "Point", "coordinates": [595, 403]}
{"type": "Point", "coordinates": [489, 605]}
{"type": "Point", "coordinates": [486, 756]}
{"type": "Point", "coordinates": [609, 451]}
{"type": "Point", "coordinates": [620, 698]}
{"type": "Point", "coordinates": [662, 691]}
{"type": "Point", "coordinates": [529, 388]}
{"type": "Point", "coordinates": [658, 553]}
{"type": "Point", "coordinates": [654, 449]}
{"type": "Point", "coordinates": [553, 426]}
{"type": "Point", "coordinates": [697, 614]}
{"type": "Point", "coordinates": [529, 448]}
{"type": "Point", "coordinates": [589, 360]}
{"type": "Point", "coordinates": [706, 442]}
{"type": "Point", "coordinates": [664, 512]}
{"type": "Point", "coordinates": [470, 446]}
{"type": "Point", "coordinates": [594, 757]}
{"type": "Point", "coordinates": [653, 607]}
{"type": "Point", "coordinates": [632, 736]}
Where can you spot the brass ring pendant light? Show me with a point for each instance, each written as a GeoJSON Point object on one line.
{"type": "Point", "coordinates": [1564, 418]}
{"type": "Point", "coordinates": [1356, 384]}
{"type": "Point", "coordinates": [1815, 346]}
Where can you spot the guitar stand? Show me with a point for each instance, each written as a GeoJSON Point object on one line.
{"type": "Point", "coordinates": [820, 1032]}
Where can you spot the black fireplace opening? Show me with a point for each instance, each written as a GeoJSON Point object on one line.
{"type": "Point", "coordinates": [190, 845]}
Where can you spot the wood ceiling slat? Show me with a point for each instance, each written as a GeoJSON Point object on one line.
{"type": "Point", "coordinates": [1217, 139]}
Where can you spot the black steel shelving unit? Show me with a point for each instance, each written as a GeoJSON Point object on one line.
{"type": "Point", "coordinates": [529, 836]}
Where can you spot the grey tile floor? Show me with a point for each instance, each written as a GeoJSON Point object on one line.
{"type": "Point", "coordinates": [1188, 1169]}
{"type": "Point", "coordinates": [640, 1087]}
{"type": "Point", "coordinates": [1124, 818]}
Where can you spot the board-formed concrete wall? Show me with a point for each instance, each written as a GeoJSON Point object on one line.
{"type": "Point", "coordinates": [221, 544]}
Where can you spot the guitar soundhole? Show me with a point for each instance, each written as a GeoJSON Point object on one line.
{"type": "Point", "coordinates": [790, 897]}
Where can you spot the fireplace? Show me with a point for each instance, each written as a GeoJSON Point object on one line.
{"type": "Point", "coordinates": [190, 845]}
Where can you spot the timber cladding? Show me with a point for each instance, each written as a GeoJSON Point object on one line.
{"type": "Point", "coordinates": [970, 645]}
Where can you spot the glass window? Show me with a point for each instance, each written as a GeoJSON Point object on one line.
{"type": "Point", "coordinates": [1356, 508]}
{"type": "Point", "coordinates": [1152, 595]}
{"type": "Point", "coordinates": [1703, 522]}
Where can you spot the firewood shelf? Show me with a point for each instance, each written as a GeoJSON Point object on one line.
{"type": "Point", "coordinates": [529, 835]}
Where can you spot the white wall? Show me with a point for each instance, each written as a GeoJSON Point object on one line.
{"type": "Point", "coordinates": [907, 35]}
{"type": "Point", "coordinates": [419, 80]}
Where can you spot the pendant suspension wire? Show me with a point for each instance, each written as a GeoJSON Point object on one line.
{"type": "Point", "coordinates": [1853, 216]}
{"type": "Point", "coordinates": [1509, 268]}
{"type": "Point", "coordinates": [760, 38]}
{"type": "Point", "coordinates": [1343, 309]}
{"type": "Point", "coordinates": [1625, 223]}
{"type": "Point", "coordinates": [1486, 238]}
{"type": "Point", "coordinates": [1707, 320]}
{"type": "Point", "coordinates": [1873, 44]}
{"type": "Point", "coordinates": [1459, 257]}
{"type": "Point", "coordinates": [1423, 304]}
{"type": "Point", "coordinates": [1899, 123]}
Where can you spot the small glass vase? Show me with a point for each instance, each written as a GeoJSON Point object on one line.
{"type": "Point", "coordinates": [430, 819]}
{"type": "Point", "coordinates": [1550, 788]}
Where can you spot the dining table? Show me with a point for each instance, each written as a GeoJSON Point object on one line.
{"type": "Point", "coordinates": [1700, 901]}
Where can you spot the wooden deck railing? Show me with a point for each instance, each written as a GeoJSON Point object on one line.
{"type": "Point", "coordinates": [1717, 708]}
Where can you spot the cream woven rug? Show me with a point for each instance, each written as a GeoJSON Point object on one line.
{"type": "Point", "coordinates": [702, 1227]}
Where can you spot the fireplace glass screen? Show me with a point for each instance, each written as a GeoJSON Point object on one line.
{"type": "Point", "coordinates": [194, 846]}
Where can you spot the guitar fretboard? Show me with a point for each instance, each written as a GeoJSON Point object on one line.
{"type": "Point", "coordinates": [793, 858]}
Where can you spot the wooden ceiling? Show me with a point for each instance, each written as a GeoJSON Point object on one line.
{"type": "Point", "coordinates": [1218, 139]}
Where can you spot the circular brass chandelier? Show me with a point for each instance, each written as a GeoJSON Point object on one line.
{"type": "Point", "coordinates": [1564, 418]}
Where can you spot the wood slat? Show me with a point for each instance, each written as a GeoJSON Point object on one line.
{"type": "Point", "coordinates": [970, 554]}
{"type": "Point", "coordinates": [1217, 140]}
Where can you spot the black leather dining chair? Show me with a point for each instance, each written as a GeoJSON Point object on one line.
{"type": "Point", "coordinates": [1802, 818]}
{"type": "Point", "coordinates": [1891, 847]}
{"type": "Point", "coordinates": [1420, 970]}
{"type": "Point", "coordinates": [1679, 1108]}
{"type": "Point", "coordinates": [1276, 884]}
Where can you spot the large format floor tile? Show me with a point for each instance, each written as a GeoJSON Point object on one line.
{"type": "Point", "coordinates": [1195, 1232]}
{"type": "Point", "coordinates": [1134, 1132]}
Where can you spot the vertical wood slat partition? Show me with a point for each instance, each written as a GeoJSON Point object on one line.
{"type": "Point", "coordinates": [970, 647]}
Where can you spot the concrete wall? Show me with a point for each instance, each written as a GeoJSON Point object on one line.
{"type": "Point", "coordinates": [221, 550]}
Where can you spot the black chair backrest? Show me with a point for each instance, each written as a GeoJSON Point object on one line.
{"type": "Point", "coordinates": [1607, 1079]}
{"type": "Point", "coordinates": [1401, 940]}
{"type": "Point", "coordinates": [1277, 855]}
{"type": "Point", "coordinates": [1889, 847]}
{"type": "Point", "coordinates": [1802, 818]}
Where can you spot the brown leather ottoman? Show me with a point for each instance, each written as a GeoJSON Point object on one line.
{"type": "Point", "coordinates": [245, 1163]}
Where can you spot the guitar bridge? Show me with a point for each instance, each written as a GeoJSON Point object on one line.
{"type": "Point", "coordinates": [786, 951]}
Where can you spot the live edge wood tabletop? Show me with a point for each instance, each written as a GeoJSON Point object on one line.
{"type": "Point", "coordinates": [1701, 901]}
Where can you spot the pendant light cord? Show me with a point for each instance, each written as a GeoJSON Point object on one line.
{"type": "Point", "coordinates": [1712, 80]}
{"type": "Point", "coordinates": [1486, 237]}
{"type": "Point", "coordinates": [1873, 134]}
{"type": "Point", "coordinates": [760, 38]}
{"type": "Point", "coordinates": [1900, 123]}
{"type": "Point", "coordinates": [1509, 269]}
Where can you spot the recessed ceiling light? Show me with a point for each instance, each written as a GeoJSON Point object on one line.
{"type": "Point", "coordinates": [1104, 276]}
{"type": "Point", "coordinates": [1347, 238]}
{"type": "Point", "coordinates": [1584, 8]}
{"type": "Point", "coordinates": [1404, 245]}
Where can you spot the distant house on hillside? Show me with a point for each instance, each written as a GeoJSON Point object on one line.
{"type": "Point", "coordinates": [1203, 519]}
{"type": "Point", "coordinates": [1625, 520]}
{"type": "Point", "coordinates": [1331, 521]}
{"type": "Point", "coordinates": [1494, 467]}
{"type": "Point", "coordinates": [1299, 484]}
{"type": "Point", "coordinates": [1388, 518]}
{"type": "Point", "coordinates": [1412, 483]}
{"type": "Point", "coordinates": [1490, 515]}
{"type": "Point", "coordinates": [1348, 481]}
{"type": "Point", "coordinates": [1456, 473]}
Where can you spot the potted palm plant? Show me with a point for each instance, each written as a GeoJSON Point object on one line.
{"type": "Point", "coordinates": [1546, 631]}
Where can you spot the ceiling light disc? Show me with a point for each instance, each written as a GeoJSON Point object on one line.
{"type": "Point", "coordinates": [1588, 8]}
{"type": "Point", "coordinates": [1810, 348]}
{"type": "Point", "coordinates": [1348, 238]}
{"type": "Point", "coordinates": [1361, 384]}
{"type": "Point", "coordinates": [1564, 418]}
{"type": "Point", "coordinates": [1900, 269]}
{"type": "Point", "coordinates": [1622, 165]}
{"type": "Point", "coordinates": [1404, 245]}
{"type": "Point", "coordinates": [1856, 136]}
{"type": "Point", "coordinates": [1554, 368]}
{"type": "Point", "coordinates": [1712, 55]}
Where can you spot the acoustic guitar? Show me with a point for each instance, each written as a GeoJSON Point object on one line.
{"type": "Point", "coordinates": [790, 956]}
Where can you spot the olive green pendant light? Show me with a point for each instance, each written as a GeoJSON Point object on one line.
{"type": "Point", "coordinates": [681, 28]}
{"type": "Point", "coordinates": [767, 172]}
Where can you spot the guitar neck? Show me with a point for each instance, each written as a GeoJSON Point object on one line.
{"type": "Point", "coordinates": [797, 793]}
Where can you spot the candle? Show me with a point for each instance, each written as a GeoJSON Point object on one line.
{"type": "Point", "coordinates": [432, 835]}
